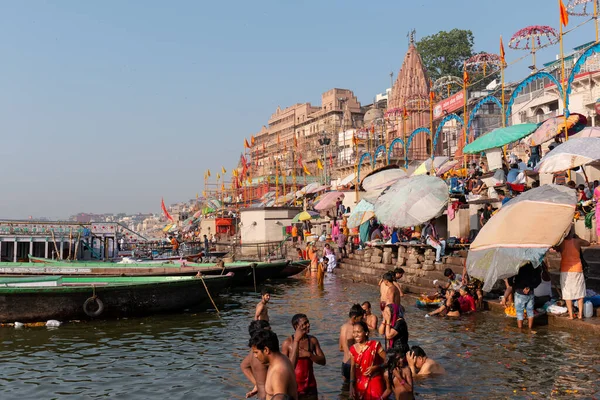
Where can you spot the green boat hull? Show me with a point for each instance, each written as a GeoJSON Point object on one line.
{"type": "Point", "coordinates": [120, 297]}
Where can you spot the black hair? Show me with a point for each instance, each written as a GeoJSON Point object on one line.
{"type": "Point", "coordinates": [296, 318]}
{"type": "Point", "coordinates": [448, 272]}
{"type": "Point", "coordinates": [388, 276]}
{"type": "Point", "coordinates": [264, 291]}
{"type": "Point", "coordinates": [418, 352]}
{"type": "Point", "coordinates": [399, 271]}
{"type": "Point", "coordinates": [367, 303]}
{"type": "Point", "coordinates": [356, 311]}
{"type": "Point", "coordinates": [364, 327]}
{"type": "Point", "coordinates": [396, 358]}
{"type": "Point", "coordinates": [264, 339]}
{"type": "Point", "coordinates": [257, 325]}
{"type": "Point", "coordinates": [500, 192]}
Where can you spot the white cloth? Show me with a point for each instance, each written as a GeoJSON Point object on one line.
{"type": "Point", "coordinates": [572, 285]}
{"type": "Point", "coordinates": [554, 309]}
{"type": "Point", "coordinates": [332, 263]}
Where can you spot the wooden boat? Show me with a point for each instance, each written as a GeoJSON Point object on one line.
{"type": "Point", "coordinates": [190, 258]}
{"type": "Point", "coordinates": [33, 299]}
{"type": "Point", "coordinates": [293, 268]}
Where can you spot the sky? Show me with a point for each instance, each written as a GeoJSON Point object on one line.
{"type": "Point", "coordinates": [109, 106]}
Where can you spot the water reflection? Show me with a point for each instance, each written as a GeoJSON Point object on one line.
{"type": "Point", "coordinates": [197, 355]}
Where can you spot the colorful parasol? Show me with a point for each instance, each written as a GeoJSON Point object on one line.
{"type": "Point", "coordinates": [499, 137]}
{"type": "Point", "coordinates": [592, 131]}
{"type": "Point", "coordinates": [554, 126]}
{"type": "Point", "coordinates": [582, 8]}
{"type": "Point", "coordinates": [481, 62]}
{"type": "Point", "coordinates": [521, 232]}
{"type": "Point", "coordinates": [328, 200]}
{"type": "Point", "coordinates": [447, 167]}
{"type": "Point", "coordinates": [412, 201]}
{"type": "Point", "coordinates": [425, 167]}
{"type": "Point", "coordinates": [571, 154]}
{"type": "Point", "coordinates": [533, 38]}
{"type": "Point", "coordinates": [382, 178]}
{"type": "Point", "coordinates": [305, 216]}
{"type": "Point", "coordinates": [358, 214]}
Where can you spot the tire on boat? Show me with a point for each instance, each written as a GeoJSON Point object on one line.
{"type": "Point", "coordinates": [88, 307]}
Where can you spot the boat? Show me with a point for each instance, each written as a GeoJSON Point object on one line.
{"type": "Point", "coordinates": [428, 303]}
{"type": "Point", "coordinates": [191, 258]}
{"type": "Point", "coordinates": [291, 269]}
{"type": "Point", "coordinates": [34, 299]}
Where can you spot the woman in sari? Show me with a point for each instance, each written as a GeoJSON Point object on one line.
{"type": "Point", "coordinates": [312, 256]}
{"type": "Point", "coordinates": [367, 357]}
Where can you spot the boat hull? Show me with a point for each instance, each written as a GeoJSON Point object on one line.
{"type": "Point", "coordinates": [35, 304]}
{"type": "Point", "coordinates": [293, 268]}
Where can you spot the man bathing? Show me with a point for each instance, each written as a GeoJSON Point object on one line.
{"type": "Point", "coordinates": [254, 370]}
{"type": "Point", "coordinates": [303, 350]}
{"type": "Point", "coordinates": [262, 312]}
{"type": "Point", "coordinates": [421, 365]}
{"type": "Point", "coordinates": [280, 375]}
{"type": "Point", "coordinates": [369, 317]}
{"type": "Point", "coordinates": [389, 293]}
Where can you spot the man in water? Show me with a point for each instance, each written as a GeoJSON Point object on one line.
{"type": "Point", "coordinates": [398, 274]}
{"type": "Point", "coordinates": [303, 350]}
{"type": "Point", "coordinates": [262, 312]}
{"type": "Point", "coordinates": [255, 371]}
{"type": "Point", "coordinates": [280, 375]}
{"type": "Point", "coordinates": [421, 365]}
{"type": "Point", "coordinates": [369, 317]}
{"type": "Point", "coordinates": [388, 292]}
{"type": "Point", "coordinates": [347, 337]}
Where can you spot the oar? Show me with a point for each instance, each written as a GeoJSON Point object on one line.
{"type": "Point", "coordinates": [208, 293]}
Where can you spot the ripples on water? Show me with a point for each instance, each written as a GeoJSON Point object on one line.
{"type": "Point", "coordinates": [197, 355]}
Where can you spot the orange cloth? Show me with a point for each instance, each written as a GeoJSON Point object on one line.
{"type": "Point", "coordinates": [570, 261]}
{"type": "Point", "coordinates": [294, 231]}
{"type": "Point", "coordinates": [175, 244]}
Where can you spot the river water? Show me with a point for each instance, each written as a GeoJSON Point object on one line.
{"type": "Point", "coordinates": [197, 355]}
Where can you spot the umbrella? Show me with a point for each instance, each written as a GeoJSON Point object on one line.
{"type": "Point", "coordinates": [357, 215]}
{"type": "Point", "coordinates": [571, 154]}
{"type": "Point", "coordinates": [347, 180]}
{"type": "Point", "coordinates": [446, 167]}
{"type": "Point", "coordinates": [382, 178]}
{"type": "Point", "coordinates": [307, 188]}
{"type": "Point", "coordinates": [328, 200]}
{"type": "Point", "coordinates": [198, 214]}
{"type": "Point", "coordinates": [412, 201]}
{"type": "Point", "coordinates": [592, 131]}
{"type": "Point", "coordinates": [553, 126]}
{"type": "Point", "coordinates": [305, 216]}
{"type": "Point", "coordinates": [425, 167]}
{"type": "Point", "coordinates": [521, 232]}
{"type": "Point", "coordinates": [499, 137]}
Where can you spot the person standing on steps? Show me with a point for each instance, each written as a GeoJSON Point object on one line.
{"type": "Point", "coordinates": [572, 280]}
{"type": "Point", "coordinates": [431, 238]}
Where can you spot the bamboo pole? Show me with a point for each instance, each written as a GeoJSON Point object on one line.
{"type": "Point", "coordinates": [596, 18]}
{"type": "Point", "coordinates": [70, 243]}
{"type": "Point", "coordinates": [431, 134]}
{"type": "Point", "coordinates": [77, 245]}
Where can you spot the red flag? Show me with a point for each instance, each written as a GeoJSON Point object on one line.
{"type": "Point", "coordinates": [372, 129]}
{"type": "Point", "coordinates": [162, 205]}
{"type": "Point", "coordinates": [564, 15]}
{"type": "Point", "coordinates": [502, 53]}
{"type": "Point", "coordinates": [300, 161]}
{"type": "Point", "coordinates": [431, 96]}
{"type": "Point", "coordinates": [330, 160]}
{"type": "Point", "coordinates": [404, 113]}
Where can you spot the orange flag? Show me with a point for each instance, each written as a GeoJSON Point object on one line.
{"type": "Point", "coordinates": [502, 54]}
{"type": "Point", "coordinates": [404, 113]}
{"type": "Point", "coordinates": [465, 77]}
{"type": "Point", "coordinates": [252, 140]}
{"type": "Point", "coordinates": [564, 15]}
{"type": "Point", "coordinates": [431, 96]}
{"type": "Point", "coordinates": [278, 141]}
{"type": "Point", "coordinates": [306, 171]}
{"type": "Point", "coordinates": [164, 209]}
{"type": "Point", "coordinates": [246, 145]}
{"type": "Point", "coordinates": [295, 141]}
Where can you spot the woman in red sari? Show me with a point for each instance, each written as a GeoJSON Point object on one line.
{"type": "Point", "coordinates": [366, 374]}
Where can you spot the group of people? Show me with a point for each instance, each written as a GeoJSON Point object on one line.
{"type": "Point", "coordinates": [373, 371]}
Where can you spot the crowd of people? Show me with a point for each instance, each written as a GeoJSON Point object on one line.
{"type": "Point", "coordinates": [372, 370]}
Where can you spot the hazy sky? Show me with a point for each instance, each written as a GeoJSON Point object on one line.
{"type": "Point", "coordinates": [107, 106]}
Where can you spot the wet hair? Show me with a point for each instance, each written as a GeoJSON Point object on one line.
{"type": "Point", "coordinates": [356, 311]}
{"type": "Point", "coordinates": [581, 187]}
{"type": "Point", "coordinates": [257, 326]}
{"type": "Point", "coordinates": [265, 339]}
{"type": "Point", "coordinates": [264, 291]}
{"type": "Point", "coordinates": [418, 352]}
{"type": "Point", "coordinates": [396, 357]}
{"type": "Point", "coordinates": [448, 272]}
{"type": "Point", "coordinates": [366, 303]}
{"type": "Point", "coordinates": [364, 327]}
{"type": "Point", "coordinates": [388, 276]}
{"type": "Point", "coordinates": [399, 271]}
{"type": "Point", "coordinates": [535, 184]}
{"type": "Point", "coordinates": [514, 166]}
{"type": "Point", "coordinates": [296, 319]}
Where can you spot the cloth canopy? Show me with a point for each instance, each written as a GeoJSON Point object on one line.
{"type": "Point", "coordinates": [328, 200]}
{"type": "Point", "coordinates": [571, 154]}
{"type": "Point", "coordinates": [357, 215]}
{"type": "Point", "coordinates": [499, 137]}
{"type": "Point", "coordinates": [425, 167]}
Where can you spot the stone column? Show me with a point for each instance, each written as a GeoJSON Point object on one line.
{"type": "Point", "coordinates": [31, 246]}
{"type": "Point", "coordinates": [15, 251]}
{"type": "Point", "coordinates": [62, 247]}
{"type": "Point", "coordinates": [46, 249]}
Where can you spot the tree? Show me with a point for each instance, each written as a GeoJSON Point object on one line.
{"type": "Point", "coordinates": [445, 52]}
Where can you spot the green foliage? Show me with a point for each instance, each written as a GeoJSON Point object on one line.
{"type": "Point", "coordinates": [445, 52]}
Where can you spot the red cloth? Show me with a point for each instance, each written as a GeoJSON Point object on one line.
{"type": "Point", "coordinates": [368, 387]}
{"type": "Point", "coordinates": [516, 187]}
{"type": "Point", "coordinates": [467, 303]}
{"type": "Point", "coordinates": [305, 377]}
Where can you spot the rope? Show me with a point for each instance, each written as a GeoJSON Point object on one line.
{"type": "Point", "coordinates": [208, 293]}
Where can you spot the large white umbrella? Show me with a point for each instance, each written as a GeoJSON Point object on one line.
{"type": "Point", "coordinates": [412, 201]}
{"type": "Point", "coordinates": [382, 179]}
{"type": "Point", "coordinates": [425, 167]}
{"type": "Point", "coordinates": [571, 154]}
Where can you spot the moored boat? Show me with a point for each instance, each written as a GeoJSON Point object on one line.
{"type": "Point", "coordinates": [292, 268]}
{"type": "Point", "coordinates": [34, 299]}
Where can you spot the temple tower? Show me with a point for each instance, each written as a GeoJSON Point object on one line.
{"type": "Point", "coordinates": [411, 92]}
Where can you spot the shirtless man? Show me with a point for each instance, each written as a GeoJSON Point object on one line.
{"type": "Point", "coordinates": [398, 274]}
{"type": "Point", "coordinates": [421, 365]}
{"type": "Point", "coordinates": [262, 312]}
{"type": "Point", "coordinates": [347, 337]}
{"type": "Point", "coordinates": [389, 293]}
{"type": "Point", "coordinates": [254, 370]}
{"type": "Point", "coordinates": [303, 350]}
{"type": "Point", "coordinates": [369, 318]}
{"type": "Point", "coordinates": [280, 375]}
